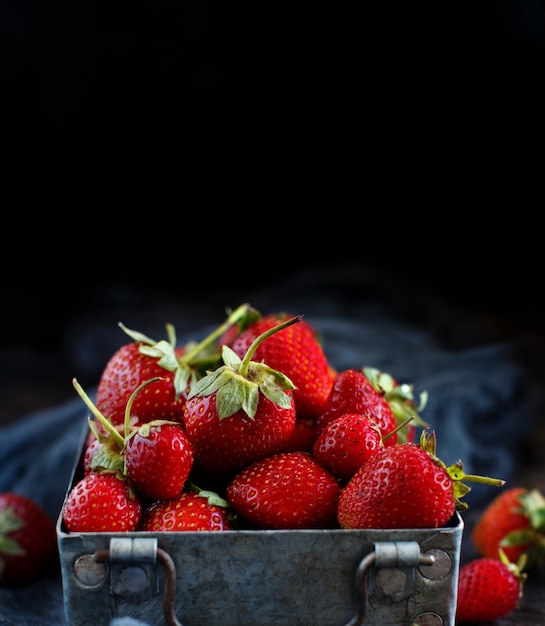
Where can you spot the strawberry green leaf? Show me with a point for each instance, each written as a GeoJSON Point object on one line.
{"type": "Point", "coordinates": [135, 335]}
{"type": "Point", "coordinates": [237, 394]}
{"type": "Point", "coordinates": [11, 547]}
{"type": "Point", "coordinates": [533, 506]}
{"type": "Point", "coordinates": [400, 397]}
{"type": "Point", "coordinates": [518, 537]}
{"type": "Point", "coordinates": [165, 354]}
{"type": "Point", "coordinates": [238, 382]}
{"type": "Point", "coordinates": [9, 521]}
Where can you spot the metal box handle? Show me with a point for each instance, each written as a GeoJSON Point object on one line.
{"type": "Point", "coordinates": [128, 550]}
{"type": "Point", "coordinates": [386, 554]}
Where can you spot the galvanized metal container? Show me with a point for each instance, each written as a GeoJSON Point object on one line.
{"type": "Point", "coordinates": [260, 578]}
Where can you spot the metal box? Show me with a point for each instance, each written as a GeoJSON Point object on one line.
{"type": "Point", "coordinates": [262, 578]}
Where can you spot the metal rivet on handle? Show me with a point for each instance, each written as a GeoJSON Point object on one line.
{"type": "Point", "coordinates": [88, 572]}
{"type": "Point", "coordinates": [441, 566]}
{"type": "Point", "coordinates": [428, 619]}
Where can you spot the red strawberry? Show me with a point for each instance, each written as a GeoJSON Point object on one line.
{"type": "Point", "coordinates": [488, 589]}
{"type": "Point", "coordinates": [101, 502]}
{"type": "Point", "coordinates": [241, 412]}
{"type": "Point", "coordinates": [296, 352]}
{"type": "Point", "coordinates": [285, 491]}
{"type": "Point", "coordinates": [131, 365]}
{"type": "Point", "coordinates": [515, 522]}
{"type": "Point", "coordinates": [352, 392]}
{"type": "Point", "coordinates": [158, 459]}
{"type": "Point", "coordinates": [156, 456]}
{"type": "Point", "coordinates": [347, 443]}
{"type": "Point", "coordinates": [176, 368]}
{"type": "Point", "coordinates": [405, 486]}
{"type": "Point", "coordinates": [191, 510]}
{"type": "Point", "coordinates": [28, 539]}
{"type": "Point", "coordinates": [103, 451]}
{"type": "Point", "coordinates": [92, 445]}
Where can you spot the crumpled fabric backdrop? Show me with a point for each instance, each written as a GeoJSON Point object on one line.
{"type": "Point", "coordinates": [484, 395]}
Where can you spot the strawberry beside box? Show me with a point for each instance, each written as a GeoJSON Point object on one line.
{"type": "Point", "coordinates": [295, 546]}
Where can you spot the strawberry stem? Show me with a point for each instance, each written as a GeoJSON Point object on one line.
{"type": "Point", "coordinates": [243, 370]}
{"type": "Point", "coordinates": [484, 480]}
{"type": "Point", "coordinates": [118, 438]}
{"type": "Point", "coordinates": [398, 428]}
{"type": "Point", "coordinates": [233, 318]}
{"type": "Point", "coordinates": [130, 402]}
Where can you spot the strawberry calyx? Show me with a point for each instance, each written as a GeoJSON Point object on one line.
{"type": "Point", "coordinates": [428, 442]}
{"type": "Point", "coordinates": [517, 568]}
{"type": "Point", "coordinates": [532, 506]}
{"type": "Point", "coordinates": [110, 456]}
{"type": "Point", "coordinates": [9, 523]}
{"type": "Point", "coordinates": [212, 497]}
{"type": "Point", "coordinates": [238, 382]}
{"type": "Point", "coordinates": [401, 399]}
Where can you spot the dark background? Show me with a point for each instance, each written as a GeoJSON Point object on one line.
{"type": "Point", "coordinates": [164, 159]}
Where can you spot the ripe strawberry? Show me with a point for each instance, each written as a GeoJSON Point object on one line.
{"type": "Point", "coordinates": [131, 365]}
{"type": "Point", "coordinates": [405, 486]}
{"type": "Point", "coordinates": [352, 392]}
{"type": "Point", "coordinates": [285, 491]}
{"type": "Point", "coordinates": [101, 502]}
{"type": "Point", "coordinates": [347, 443]}
{"type": "Point", "coordinates": [515, 522]}
{"type": "Point", "coordinates": [176, 368]}
{"type": "Point", "coordinates": [156, 456]}
{"type": "Point", "coordinates": [240, 412]}
{"type": "Point", "coordinates": [488, 589]}
{"type": "Point", "coordinates": [191, 510]}
{"type": "Point", "coordinates": [158, 459]}
{"type": "Point", "coordinates": [28, 539]}
{"type": "Point", "coordinates": [296, 352]}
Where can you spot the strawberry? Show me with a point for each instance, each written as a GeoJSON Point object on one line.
{"type": "Point", "coordinates": [285, 491]}
{"type": "Point", "coordinates": [240, 412]}
{"type": "Point", "coordinates": [489, 589]}
{"type": "Point", "coordinates": [405, 486]}
{"type": "Point", "coordinates": [515, 522]}
{"type": "Point", "coordinates": [352, 392]}
{"type": "Point", "coordinates": [347, 443]}
{"type": "Point", "coordinates": [92, 445]}
{"type": "Point", "coordinates": [175, 368]}
{"type": "Point", "coordinates": [133, 364]}
{"type": "Point", "coordinates": [191, 510]}
{"type": "Point", "coordinates": [101, 502]}
{"type": "Point", "coordinates": [296, 352]}
{"type": "Point", "coordinates": [28, 539]}
{"type": "Point", "coordinates": [158, 459]}
{"type": "Point", "coordinates": [156, 456]}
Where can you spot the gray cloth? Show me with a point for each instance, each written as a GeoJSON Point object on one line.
{"type": "Point", "coordinates": [483, 403]}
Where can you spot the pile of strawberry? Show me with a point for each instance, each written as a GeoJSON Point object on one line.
{"type": "Point", "coordinates": [253, 428]}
